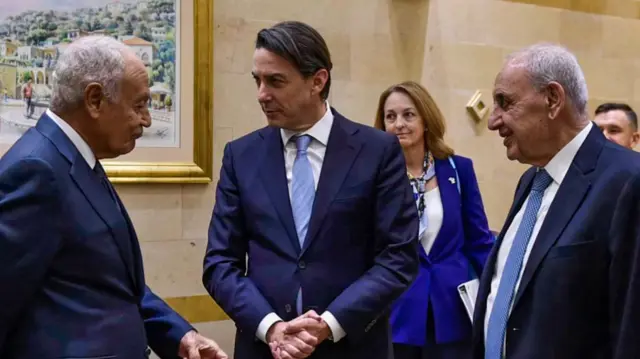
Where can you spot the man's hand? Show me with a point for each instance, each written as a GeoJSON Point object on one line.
{"type": "Point", "coordinates": [298, 338]}
{"type": "Point", "coordinates": [312, 323]}
{"type": "Point", "coordinates": [195, 346]}
{"type": "Point", "coordinates": [288, 344]}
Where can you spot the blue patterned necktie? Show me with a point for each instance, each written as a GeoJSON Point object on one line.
{"type": "Point", "coordinates": [303, 192]}
{"type": "Point", "coordinates": [497, 327]}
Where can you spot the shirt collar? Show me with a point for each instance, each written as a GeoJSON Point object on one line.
{"type": "Point", "coordinates": [560, 163]}
{"type": "Point", "coordinates": [75, 138]}
{"type": "Point", "coordinates": [320, 131]}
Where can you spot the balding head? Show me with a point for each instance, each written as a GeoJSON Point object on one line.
{"type": "Point", "coordinates": [545, 63]}
{"type": "Point", "coordinates": [540, 98]}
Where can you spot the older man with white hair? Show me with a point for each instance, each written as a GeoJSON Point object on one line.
{"type": "Point", "coordinates": [563, 280]}
{"type": "Point", "coordinates": [70, 263]}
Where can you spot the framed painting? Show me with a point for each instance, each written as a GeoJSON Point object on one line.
{"type": "Point", "coordinates": [174, 38]}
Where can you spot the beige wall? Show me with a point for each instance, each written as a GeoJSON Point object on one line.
{"type": "Point", "coordinates": [467, 41]}
{"type": "Point", "coordinates": [454, 47]}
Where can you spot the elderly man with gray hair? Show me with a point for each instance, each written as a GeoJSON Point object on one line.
{"type": "Point", "coordinates": [70, 262]}
{"type": "Point", "coordinates": [563, 280]}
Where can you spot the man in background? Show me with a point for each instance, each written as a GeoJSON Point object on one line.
{"type": "Point", "coordinates": [619, 123]}
{"type": "Point", "coordinates": [323, 209]}
{"type": "Point", "coordinates": [27, 94]}
{"type": "Point", "coordinates": [562, 279]}
{"type": "Point", "coordinates": [71, 270]}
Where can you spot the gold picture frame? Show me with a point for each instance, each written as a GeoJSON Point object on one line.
{"type": "Point", "coordinates": [200, 170]}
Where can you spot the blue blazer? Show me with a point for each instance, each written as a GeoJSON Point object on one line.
{"type": "Point", "coordinates": [579, 295]}
{"type": "Point", "coordinates": [70, 263]}
{"type": "Point", "coordinates": [460, 248]}
{"type": "Point", "coordinates": [361, 249]}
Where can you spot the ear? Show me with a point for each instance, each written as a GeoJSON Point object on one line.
{"type": "Point", "coordinates": [556, 99]}
{"type": "Point", "coordinates": [635, 137]}
{"type": "Point", "coordinates": [320, 79]}
{"type": "Point", "coordinates": [94, 99]}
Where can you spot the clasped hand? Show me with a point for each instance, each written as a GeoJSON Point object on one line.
{"type": "Point", "coordinates": [298, 338]}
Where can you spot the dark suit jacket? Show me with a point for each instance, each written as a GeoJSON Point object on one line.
{"type": "Point", "coordinates": [70, 263]}
{"type": "Point", "coordinates": [361, 249]}
{"type": "Point", "coordinates": [579, 296]}
{"type": "Point", "coordinates": [460, 250]}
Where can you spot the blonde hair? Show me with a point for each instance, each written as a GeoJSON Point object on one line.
{"type": "Point", "coordinates": [432, 118]}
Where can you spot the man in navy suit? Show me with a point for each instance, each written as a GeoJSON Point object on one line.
{"type": "Point", "coordinates": [562, 279]}
{"type": "Point", "coordinates": [323, 210]}
{"type": "Point", "coordinates": [70, 263]}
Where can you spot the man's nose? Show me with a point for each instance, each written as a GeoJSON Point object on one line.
{"type": "Point", "coordinates": [263, 93]}
{"type": "Point", "coordinates": [146, 120]}
{"type": "Point", "coordinates": [494, 121]}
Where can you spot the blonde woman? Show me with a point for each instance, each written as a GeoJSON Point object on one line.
{"type": "Point", "coordinates": [429, 320]}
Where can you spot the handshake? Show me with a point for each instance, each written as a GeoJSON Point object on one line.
{"type": "Point", "coordinates": [298, 338]}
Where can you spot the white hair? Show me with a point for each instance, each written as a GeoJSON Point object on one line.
{"type": "Point", "coordinates": [546, 63]}
{"type": "Point", "coordinates": [89, 59]}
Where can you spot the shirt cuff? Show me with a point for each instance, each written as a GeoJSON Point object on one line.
{"type": "Point", "coordinates": [336, 329]}
{"type": "Point", "coordinates": [264, 326]}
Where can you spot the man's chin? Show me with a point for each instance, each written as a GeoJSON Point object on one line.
{"type": "Point", "coordinates": [275, 120]}
{"type": "Point", "coordinates": [512, 153]}
{"type": "Point", "coordinates": [127, 148]}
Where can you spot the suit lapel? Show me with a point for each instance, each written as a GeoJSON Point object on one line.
{"type": "Point", "coordinates": [341, 152]}
{"type": "Point", "coordinates": [521, 195]}
{"type": "Point", "coordinates": [135, 246]}
{"type": "Point", "coordinates": [102, 202]}
{"type": "Point", "coordinates": [451, 204]}
{"type": "Point", "coordinates": [568, 199]}
{"type": "Point", "coordinates": [566, 202]}
{"type": "Point", "coordinates": [90, 186]}
{"type": "Point", "coordinates": [487, 275]}
{"type": "Point", "coordinates": [274, 179]}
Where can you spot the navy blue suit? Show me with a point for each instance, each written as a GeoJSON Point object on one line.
{"type": "Point", "coordinates": [460, 249]}
{"type": "Point", "coordinates": [579, 296]}
{"type": "Point", "coordinates": [360, 253]}
{"type": "Point", "coordinates": [70, 265]}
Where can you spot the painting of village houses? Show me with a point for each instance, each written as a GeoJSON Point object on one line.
{"type": "Point", "coordinates": [34, 33]}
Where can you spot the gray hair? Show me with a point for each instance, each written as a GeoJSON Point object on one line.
{"type": "Point", "coordinates": [89, 59]}
{"type": "Point", "coordinates": [546, 63]}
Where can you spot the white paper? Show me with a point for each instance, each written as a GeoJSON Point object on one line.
{"type": "Point", "coordinates": [468, 292]}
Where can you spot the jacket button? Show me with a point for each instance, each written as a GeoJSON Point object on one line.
{"type": "Point", "coordinates": [287, 308]}
{"type": "Point", "coordinates": [302, 265]}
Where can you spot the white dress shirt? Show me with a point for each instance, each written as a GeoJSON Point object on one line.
{"type": "Point", "coordinates": [434, 214]}
{"type": "Point", "coordinates": [75, 138]}
{"type": "Point", "coordinates": [556, 168]}
{"type": "Point", "coordinates": [319, 134]}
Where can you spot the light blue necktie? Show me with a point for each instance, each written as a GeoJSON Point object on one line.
{"type": "Point", "coordinates": [497, 327]}
{"type": "Point", "coordinates": [303, 192]}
